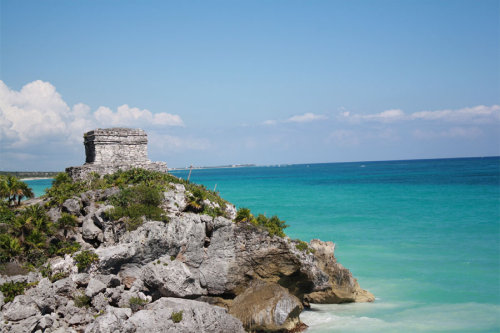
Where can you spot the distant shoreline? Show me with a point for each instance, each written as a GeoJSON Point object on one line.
{"type": "Point", "coordinates": [35, 178]}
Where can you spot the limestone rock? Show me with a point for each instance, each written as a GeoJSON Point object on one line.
{"type": "Point", "coordinates": [90, 231]}
{"type": "Point", "coordinates": [174, 200]}
{"type": "Point", "coordinates": [72, 206]}
{"type": "Point", "coordinates": [112, 320]}
{"type": "Point", "coordinates": [343, 286]}
{"type": "Point", "coordinates": [267, 306]}
{"type": "Point", "coordinates": [20, 308]}
{"type": "Point", "coordinates": [196, 317]}
{"type": "Point", "coordinates": [172, 279]}
{"type": "Point", "coordinates": [94, 287]}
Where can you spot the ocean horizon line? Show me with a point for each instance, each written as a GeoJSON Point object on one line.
{"type": "Point", "coordinates": [250, 165]}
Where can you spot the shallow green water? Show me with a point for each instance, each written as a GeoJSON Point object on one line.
{"type": "Point", "coordinates": [423, 236]}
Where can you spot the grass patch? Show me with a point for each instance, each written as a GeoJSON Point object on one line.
{"type": "Point", "coordinates": [303, 246]}
{"type": "Point", "coordinates": [81, 300]}
{"type": "Point", "coordinates": [85, 259]}
{"type": "Point", "coordinates": [11, 289]}
{"type": "Point", "coordinates": [134, 203]}
{"type": "Point", "coordinates": [177, 316]}
{"type": "Point", "coordinates": [137, 303]}
{"type": "Point", "coordinates": [273, 225]}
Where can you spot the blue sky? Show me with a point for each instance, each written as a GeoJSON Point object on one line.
{"type": "Point", "coordinates": [265, 82]}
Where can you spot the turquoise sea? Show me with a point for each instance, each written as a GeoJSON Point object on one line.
{"type": "Point", "coordinates": [423, 235]}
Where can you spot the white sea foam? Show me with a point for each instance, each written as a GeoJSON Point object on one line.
{"type": "Point", "coordinates": [399, 317]}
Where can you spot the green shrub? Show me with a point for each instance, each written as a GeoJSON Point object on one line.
{"type": "Point", "coordinates": [197, 194]}
{"type": "Point", "coordinates": [303, 246]}
{"type": "Point", "coordinates": [137, 303]}
{"type": "Point", "coordinates": [81, 300]}
{"type": "Point", "coordinates": [64, 247]}
{"type": "Point", "coordinates": [85, 259]}
{"type": "Point", "coordinates": [63, 188]}
{"type": "Point", "coordinates": [67, 221]}
{"type": "Point", "coordinates": [243, 215]}
{"type": "Point", "coordinates": [177, 317]}
{"type": "Point", "coordinates": [11, 289]}
{"type": "Point", "coordinates": [136, 202]}
{"type": "Point", "coordinates": [58, 276]}
{"type": "Point", "coordinates": [273, 225]}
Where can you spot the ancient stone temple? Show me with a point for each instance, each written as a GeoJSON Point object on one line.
{"type": "Point", "coordinates": [111, 149]}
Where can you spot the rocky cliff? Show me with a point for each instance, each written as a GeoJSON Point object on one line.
{"type": "Point", "coordinates": [194, 268]}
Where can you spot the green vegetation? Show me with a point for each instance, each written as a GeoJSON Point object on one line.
{"type": "Point", "coordinates": [196, 200]}
{"type": "Point", "coordinates": [134, 202]}
{"type": "Point", "coordinates": [12, 190]}
{"type": "Point", "coordinates": [58, 276]}
{"type": "Point", "coordinates": [137, 303]}
{"type": "Point", "coordinates": [25, 235]}
{"type": "Point", "coordinates": [85, 259]}
{"type": "Point", "coordinates": [67, 221]}
{"type": "Point", "coordinates": [141, 194]}
{"type": "Point", "coordinates": [11, 289]}
{"type": "Point", "coordinates": [81, 300]}
{"type": "Point", "coordinates": [273, 225]}
{"type": "Point", "coordinates": [303, 246]}
{"type": "Point", "coordinates": [177, 316]}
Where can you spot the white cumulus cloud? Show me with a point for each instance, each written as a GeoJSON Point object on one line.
{"type": "Point", "coordinates": [37, 114]}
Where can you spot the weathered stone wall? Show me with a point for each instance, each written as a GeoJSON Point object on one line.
{"type": "Point", "coordinates": [116, 146]}
{"type": "Point", "coordinates": [112, 149]}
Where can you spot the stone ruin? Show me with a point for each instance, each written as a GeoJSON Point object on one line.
{"type": "Point", "coordinates": [111, 149]}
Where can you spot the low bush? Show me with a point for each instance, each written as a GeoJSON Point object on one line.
{"type": "Point", "coordinates": [58, 276]}
{"type": "Point", "coordinates": [85, 259]}
{"type": "Point", "coordinates": [11, 289]}
{"type": "Point", "coordinates": [197, 194]}
{"type": "Point", "coordinates": [303, 246]}
{"type": "Point", "coordinates": [137, 303]}
{"type": "Point", "coordinates": [273, 225]}
{"type": "Point", "coordinates": [177, 316]}
{"type": "Point", "coordinates": [136, 202]}
{"type": "Point", "coordinates": [67, 221]}
{"type": "Point", "coordinates": [81, 300]}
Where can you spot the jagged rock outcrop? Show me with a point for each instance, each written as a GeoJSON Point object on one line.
{"type": "Point", "coordinates": [221, 275]}
{"type": "Point", "coordinates": [111, 149]}
{"type": "Point", "coordinates": [343, 286]}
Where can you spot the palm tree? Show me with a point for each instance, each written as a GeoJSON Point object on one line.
{"type": "Point", "coordinates": [24, 191]}
{"type": "Point", "coordinates": [4, 189]}
{"type": "Point", "coordinates": [12, 185]}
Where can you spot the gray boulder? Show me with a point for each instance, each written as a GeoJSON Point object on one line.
{"type": "Point", "coordinates": [90, 231]}
{"type": "Point", "coordinates": [267, 306]}
{"type": "Point", "coordinates": [94, 287]}
{"type": "Point", "coordinates": [72, 206]}
{"type": "Point", "coordinates": [20, 308]}
{"type": "Point", "coordinates": [111, 321]}
{"type": "Point", "coordinates": [196, 317]}
{"type": "Point", "coordinates": [174, 200]}
{"type": "Point", "coordinates": [172, 279]}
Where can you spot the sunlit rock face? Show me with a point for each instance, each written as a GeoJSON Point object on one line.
{"type": "Point", "coordinates": [111, 149]}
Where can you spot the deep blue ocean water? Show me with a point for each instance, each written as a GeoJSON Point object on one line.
{"type": "Point", "coordinates": [423, 236]}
